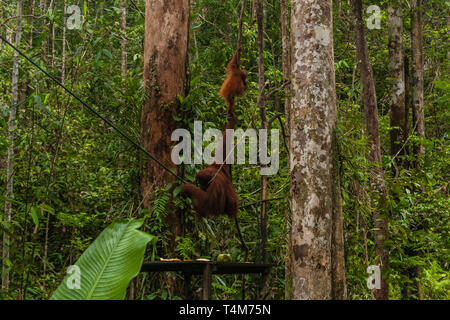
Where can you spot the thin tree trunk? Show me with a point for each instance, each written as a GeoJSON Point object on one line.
{"type": "Point", "coordinates": [63, 63]}
{"type": "Point", "coordinates": [123, 47]}
{"type": "Point", "coordinates": [338, 283]}
{"type": "Point", "coordinates": [406, 74]}
{"type": "Point", "coordinates": [285, 39]}
{"type": "Point", "coordinates": [396, 75]}
{"type": "Point", "coordinates": [264, 125]}
{"type": "Point", "coordinates": [45, 27]}
{"type": "Point", "coordinates": [47, 228]}
{"type": "Point", "coordinates": [165, 61]}
{"type": "Point", "coordinates": [417, 72]}
{"type": "Point", "coordinates": [254, 8]}
{"type": "Point", "coordinates": [10, 157]}
{"type": "Point", "coordinates": [53, 45]}
{"type": "Point", "coordinates": [317, 234]}
{"type": "Point", "coordinates": [30, 44]}
{"type": "Point", "coordinates": [418, 108]}
{"type": "Point", "coordinates": [52, 42]}
{"type": "Point", "coordinates": [374, 156]}
{"type": "Point", "coordinates": [123, 42]}
{"type": "Point", "coordinates": [399, 74]}
{"type": "Point", "coordinates": [241, 22]}
{"type": "Point", "coordinates": [42, 5]}
{"type": "Point", "coordinates": [262, 112]}
{"type": "Point", "coordinates": [286, 68]}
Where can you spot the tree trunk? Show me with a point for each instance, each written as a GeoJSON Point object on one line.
{"type": "Point", "coordinates": [374, 156]}
{"type": "Point", "coordinates": [51, 6]}
{"type": "Point", "coordinates": [241, 22]}
{"type": "Point", "coordinates": [396, 75]}
{"type": "Point", "coordinates": [45, 28]}
{"type": "Point", "coordinates": [417, 72]}
{"type": "Point", "coordinates": [30, 44]}
{"type": "Point", "coordinates": [42, 5]}
{"type": "Point", "coordinates": [53, 44]}
{"type": "Point", "coordinates": [406, 75]}
{"type": "Point", "coordinates": [10, 157]}
{"type": "Point", "coordinates": [317, 234]}
{"type": "Point", "coordinates": [165, 60]}
{"type": "Point", "coordinates": [262, 112]}
{"type": "Point", "coordinates": [123, 41]}
{"type": "Point", "coordinates": [63, 63]}
{"type": "Point", "coordinates": [264, 125]}
{"type": "Point", "coordinates": [286, 68]}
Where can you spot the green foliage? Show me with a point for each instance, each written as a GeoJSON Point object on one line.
{"type": "Point", "coordinates": [74, 176]}
{"type": "Point", "coordinates": [108, 265]}
{"type": "Point", "coordinates": [186, 248]}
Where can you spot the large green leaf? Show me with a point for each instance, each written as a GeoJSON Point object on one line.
{"type": "Point", "coordinates": [108, 265]}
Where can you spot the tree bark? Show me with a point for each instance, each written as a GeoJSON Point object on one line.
{"type": "Point", "coordinates": [45, 28]}
{"type": "Point", "coordinates": [417, 72]}
{"type": "Point", "coordinates": [264, 125]}
{"type": "Point", "coordinates": [51, 6]}
{"type": "Point", "coordinates": [30, 44]}
{"type": "Point", "coordinates": [63, 63]}
{"type": "Point", "coordinates": [286, 68]}
{"type": "Point", "coordinates": [241, 22]}
{"type": "Point", "coordinates": [123, 41]}
{"type": "Point", "coordinates": [396, 75]}
{"type": "Point", "coordinates": [406, 74]}
{"type": "Point", "coordinates": [317, 234]}
{"type": "Point", "coordinates": [42, 5]}
{"type": "Point", "coordinates": [374, 153]}
{"type": "Point", "coordinates": [165, 60]}
{"type": "Point", "coordinates": [10, 156]}
{"type": "Point", "coordinates": [262, 112]}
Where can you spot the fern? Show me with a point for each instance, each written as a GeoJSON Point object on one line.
{"type": "Point", "coordinates": [186, 248]}
{"type": "Point", "coordinates": [159, 207]}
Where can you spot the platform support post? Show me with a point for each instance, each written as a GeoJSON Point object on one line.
{"type": "Point", "coordinates": [206, 294]}
{"type": "Point", "coordinates": [243, 286]}
{"type": "Point", "coordinates": [187, 286]}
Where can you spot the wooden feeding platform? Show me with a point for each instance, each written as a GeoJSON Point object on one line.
{"type": "Point", "coordinates": [206, 269]}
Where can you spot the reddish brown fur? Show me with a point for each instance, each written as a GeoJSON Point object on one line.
{"type": "Point", "coordinates": [235, 84]}
{"type": "Point", "coordinates": [218, 196]}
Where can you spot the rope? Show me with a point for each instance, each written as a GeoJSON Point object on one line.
{"type": "Point", "coordinates": [135, 144]}
{"type": "Point", "coordinates": [109, 123]}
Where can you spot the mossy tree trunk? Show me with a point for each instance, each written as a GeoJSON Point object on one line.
{"type": "Point", "coordinates": [317, 258]}
{"type": "Point", "coordinates": [374, 154]}
{"type": "Point", "coordinates": [165, 60]}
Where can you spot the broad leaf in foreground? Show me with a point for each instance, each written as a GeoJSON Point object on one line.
{"type": "Point", "coordinates": [107, 265]}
